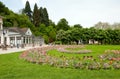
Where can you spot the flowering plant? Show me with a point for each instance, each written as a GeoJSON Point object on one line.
{"type": "Point", "coordinates": [110, 59]}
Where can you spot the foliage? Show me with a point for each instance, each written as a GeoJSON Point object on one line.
{"type": "Point", "coordinates": [84, 35]}
{"type": "Point", "coordinates": [63, 24]}
{"type": "Point", "coordinates": [3, 9]}
{"type": "Point", "coordinates": [36, 16]}
{"type": "Point", "coordinates": [44, 18]}
{"type": "Point", "coordinates": [28, 10]}
{"type": "Point", "coordinates": [77, 26]}
{"type": "Point", "coordinates": [46, 39]}
{"type": "Point", "coordinates": [63, 36]}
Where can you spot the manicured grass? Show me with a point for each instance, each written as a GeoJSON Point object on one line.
{"type": "Point", "coordinates": [11, 67]}
{"type": "Point", "coordinates": [96, 51]}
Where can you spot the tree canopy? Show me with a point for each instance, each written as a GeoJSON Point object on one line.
{"type": "Point", "coordinates": [28, 10]}
{"type": "Point", "coordinates": [63, 24]}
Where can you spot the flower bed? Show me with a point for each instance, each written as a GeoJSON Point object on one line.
{"type": "Point", "coordinates": [81, 50]}
{"type": "Point", "coordinates": [40, 56]}
{"type": "Point", "coordinates": [63, 50]}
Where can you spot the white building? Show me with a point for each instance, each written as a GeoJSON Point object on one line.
{"type": "Point", "coordinates": [16, 36]}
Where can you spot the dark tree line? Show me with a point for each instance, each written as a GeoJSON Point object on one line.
{"type": "Point", "coordinates": [83, 35]}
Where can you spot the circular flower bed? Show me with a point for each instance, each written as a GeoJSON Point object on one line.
{"type": "Point", "coordinates": [40, 56]}
{"type": "Point", "coordinates": [83, 51]}
{"type": "Point", "coordinates": [71, 49]}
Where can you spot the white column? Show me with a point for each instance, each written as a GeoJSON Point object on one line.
{"type": "Point", "coordinates": [22, 40]}
{"type": "Point", "coordinates": [25, 40]}
{"type": "Point", "coordinates": [8, 40]}
{"type": "Point", "coordinates": [1, 25]}
{"type": "Point", "coordinates": [2, 39]}
{"type": "Point", "coordinates": [28, 40]}
{"type": "Point", "coordinates": [15, 41]}
{"type": "Point", "coordinates": [31, 40]}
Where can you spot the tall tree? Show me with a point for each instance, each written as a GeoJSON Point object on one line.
{"type": "Point", "coordinates": [3, 9]}
{"type": "Point", "coordinates": [44, 18]}
{"type": "Point", "coordinates": [63, 24]}
{"type": "Point", "coordinates": [28, 10]}
{"type": "Point", "coordinates": [41, 15]}
{"type": "Point", "coordinates": [36, 16]}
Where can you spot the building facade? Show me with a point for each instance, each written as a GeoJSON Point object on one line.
{"type": "Point", "coordinates": [17, 36]}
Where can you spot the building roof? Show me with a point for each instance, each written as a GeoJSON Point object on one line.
{"type": "Point", "coordinates": [2, 17]}
{"type": "Point", "coordinates": [18, 30]}
{"type": "Point", "coordinates": [24, 30]}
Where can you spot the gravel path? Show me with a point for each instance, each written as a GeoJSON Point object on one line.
{"type": "Point", "coordinates": [12, 50]}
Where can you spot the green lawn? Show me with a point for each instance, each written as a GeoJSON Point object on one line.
{"type": "Point", "coordinates": [11, 67]}
{"type": "Point", "coordinates": [96, 51]}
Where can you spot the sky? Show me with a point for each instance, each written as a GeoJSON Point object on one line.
{"type": "Point", "coordinates": [84, 12]}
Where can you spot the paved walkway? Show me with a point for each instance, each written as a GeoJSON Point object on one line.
{"type": "Point", "coordinates": [12, 50]}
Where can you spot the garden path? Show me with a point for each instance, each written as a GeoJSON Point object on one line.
{"type": "Point", "coordinates": [12, 50]}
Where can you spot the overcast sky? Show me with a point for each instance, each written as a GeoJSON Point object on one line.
{"type": "Point", "coordinates": [84, 12]}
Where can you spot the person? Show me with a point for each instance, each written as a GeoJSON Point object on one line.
{"type": "Point", "coordinates": [22, 45]}
{"type": "Point", "coordinates": [17, 45]}
{"type": "Point", "coordinates": [11, 45]}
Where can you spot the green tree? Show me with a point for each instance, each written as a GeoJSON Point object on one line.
{"type": "Point", "coordinates": [102, 36]}
{"type": "Point", "coordinates": [76, 34]}
{"type": "Point", "coordinates": [44, 17]}
{"type": "Point", "coordinates": [64, 36]}
{"type": "Point", "coordinates": [41, 15]}
{"type": "Point", "coordinates": [93, 33]}
{"type": "Point", "coordinates": [46, 38]}
{"type": "Point", "coordinates": [42, 29]}
{"type": "Point", "coordinates": [60, 35]}
{"type": "Point", "coordinates": [77, 26]}
{"type": "Point", "coordinates": [28, 10]}
{"type": "Point", "coordinates": [63, 24]}
{"type": "Point", "coordinates": [113, 36]}
{"type": "Point", "coordinates": [51, 23]}
{"type": "Point", "coordinates": [36, 16]}
{"type": "Point", "coordinates": [85, 35]}
{"type": "Point", "coordinates": [9, 20]}
{"type": "Point", "coordinates": [4, 10]}
{"type": "Point", "coordinates": [51, 33]}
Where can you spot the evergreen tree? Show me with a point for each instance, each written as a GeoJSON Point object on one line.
{"type": "Point", "coordinates": [36, 16]}
{"type": "Point", "coordinates": [41, 15]}
{"type": "Point", "coordinates": [28, 11]}
{"type": "Point", "coordinates": [44, 18]}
